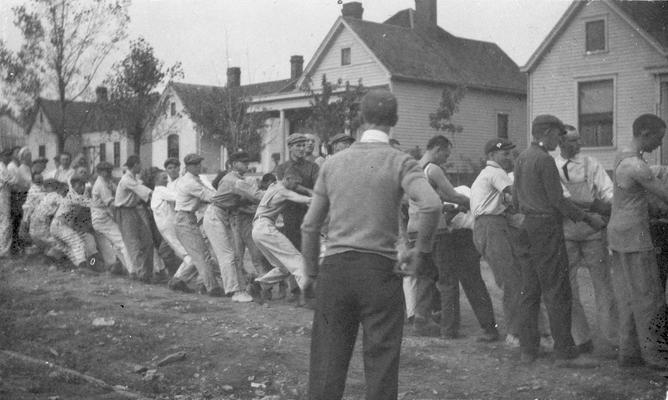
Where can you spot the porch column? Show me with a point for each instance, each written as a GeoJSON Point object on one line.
{"type": "Point", "coordinates": [282, 133]}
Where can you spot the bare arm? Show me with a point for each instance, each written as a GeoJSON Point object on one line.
{"type": "Point", "coordinates": [444, 188]}
{"type": "Point", "coordinates": [313, 221]}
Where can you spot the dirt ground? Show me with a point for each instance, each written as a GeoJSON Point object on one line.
{"type": "Point", "coordinates": [246, 351]}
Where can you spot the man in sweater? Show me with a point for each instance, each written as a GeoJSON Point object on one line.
{"type": "Point", "coordinates": [537, 193]}
{"type": "Point", "coordinates": [361, 190]}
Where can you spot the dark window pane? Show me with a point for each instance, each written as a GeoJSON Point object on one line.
{"type": "Point", "coordinates": [41, 151]}
{"type": "Point", "coordinates": [345, 56]}
{"type": "Point", "coordinates": [595, 31]}
{"type": "Point", "coordinates": [117, 154]}
{"type": "Point", "coordinates": [173, 146]}
{"type": "Point", "coordinates": [595, 104]}
{"type": "Point", "coordinates": [502, 125]}
{"type": "Point", "coordinates": [103, 152]}
{"type": "Point", "coordinates": [172, 109]}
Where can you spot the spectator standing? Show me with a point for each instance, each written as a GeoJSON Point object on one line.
{"type": "Point", "coordinates": [361, 190]}
{"type": "Point", "coordinates": [7, 180]}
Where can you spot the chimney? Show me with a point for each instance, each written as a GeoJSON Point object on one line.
{"type": "Point", "coordinates": [296, 66]}
{"type": "Point", "coordinates": [233, 77]}
{"type": "Point", "coordinates": [425, 13]}
{"type": "Point", "coordinates": [353, 9]}
{"type": "Point", "coordinates": [101, 94]}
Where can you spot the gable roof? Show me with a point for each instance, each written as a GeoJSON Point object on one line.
{"type": "Point", "coordinates": [429, 54]}
{"type": "Point", "coordinates": [198, 100]}
{"type": "Point", "coordinates": [80, 116]}
{"type": "Point", "coordinates": [648, 18]}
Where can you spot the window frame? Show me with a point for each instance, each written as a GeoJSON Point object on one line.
{"type": "Point", "coordinates": [41, 151]}
{"type": "Point", "coordinates": [597, 18]}
{"type": "Point", "coordinates": [178, 146]}
{"type": "Point", "coordinates": [117, 154]}
{"type": "Point", "coordinates": [346, 51]}
{"type": "Point", "coordinates": [590, 79]}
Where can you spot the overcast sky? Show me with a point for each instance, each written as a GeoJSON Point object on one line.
{"type": "Point", "coordinates": [259, 36]}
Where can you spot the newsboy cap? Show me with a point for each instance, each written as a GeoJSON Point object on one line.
{"type": "Point", "coordinates": [341, 137]}
{"type": "Point", "coordinates": [296, 138]}
{"type": "Point", "coordinates": [40, 160]}
{"type": "Point", "coordinates": [239, 156]}
{"type": "Point", "coordinates": [498, 144]}
{"type": "Point", "coordinates": [545, 121]}
{"type": "Point", "coordinates": [192, 158]}
{"type": "Point", "coordinates": [104, 166]}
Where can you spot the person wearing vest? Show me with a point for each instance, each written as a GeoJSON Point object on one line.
{"type": "Point", "coordinates": [635, 274]}
{"type": "Point", "coordinates": [537, 193]}
{"type": "Point", "coordinates": [589, 187]}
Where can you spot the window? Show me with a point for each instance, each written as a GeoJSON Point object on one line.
{"type": "Point", "coordinates": [345, 56]}
{"type": "Point", "coordinates": [595, 112]}
{"type": "Point", "coordinates": [103, 152]}
{"type": "Point", "coordinates": [595, 32]}
{"type": "Point", "coordinates": [502, 125]}
{"type": "Point", "coordinates": [41, 151]}
{"type": "Point", "coordinates": [173, 146]}
{"type": "Point", "coordinates": [172, 109]}
{"type": "Point", "coordinates": [117, 154]}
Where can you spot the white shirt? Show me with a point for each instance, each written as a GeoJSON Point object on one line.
{"type": "Point", "coordinates": [598, 180]}
{"type": "Point", "coordinates": [487, 196]}
{"type": "Point", "coordinates": [374, 136]}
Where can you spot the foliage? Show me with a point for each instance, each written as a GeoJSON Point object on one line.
{"type": "Point", "coordinates": [132, 85]}
{"type": "Point", "coordinates": [64, 44]}
{"type": "Point", "coordinates": [441, 120]}
{"type": "Point", "coordinates": [334, 108]}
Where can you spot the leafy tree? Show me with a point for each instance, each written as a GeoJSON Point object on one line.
{"type": "Point", "coordinates": [132, 85]}
{"type": "Point", "coordinates": [441, 120]}
{"type": "Point", "coordinates": [64, 44]}
{"type": "Point", "coordinates": [334, 108]}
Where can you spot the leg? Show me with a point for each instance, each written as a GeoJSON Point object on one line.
{"type": "Point", "coordinates": [260, 264]}
{"type": "Point", "coordinates": [278, 250]}
{"type": "Point", "coordinates": [191, 238]}
{"type": "Point", "coordinates": [448, 284]}
{"type": "Point", "coordinates": [410, 294]}
{"type": "Point", "coordinates": [335, 324]}
{"type": "Point", "coordinates": [138, 240]}
{"type": "Point", "coordinates": [597, 260]}
{"type": "Point", "coordinates": [75, 246]}
{"type": "Point", "coordinates": [219, 233]}
{"type": "Point", "coordinates": [579, 325]}
{"type": "Point", "coordinates": [529, 301]}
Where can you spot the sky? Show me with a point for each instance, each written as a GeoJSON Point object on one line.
{"type": "Point", "coordinates": [259, 36]}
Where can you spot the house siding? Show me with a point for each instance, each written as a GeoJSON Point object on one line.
{"type": "Point", "coordinates": [41, 134]}
{"type": "Point", "coordinates": [477, 115]}
{"type": "Point", "coordinates": [94, 139]}
{"type": "Point", "coordinates": [362, 63]}
{"type": "Point", "coordinates": [553, 81]}
{"type": "Point", "coordinates": [11, 132]}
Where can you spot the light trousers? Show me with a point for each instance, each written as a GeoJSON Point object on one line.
{"type": "Point", "coordinates": [279, 251]}
{"type": "Point", "coordinates": [217, 224]}
{"type": "Point", "coordinates": [111, 243]}
{"type": "Point", "coordinates": [78, 245]}
{"type": "Point", "coordinates": [192, 240]}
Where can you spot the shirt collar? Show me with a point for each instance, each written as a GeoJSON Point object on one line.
{"type": "Point", "coordinates": [539, 145]}
{"type": "Point", "coordinates": [494, 164]}
{"type": "Point", "coordinates": [374, 136]}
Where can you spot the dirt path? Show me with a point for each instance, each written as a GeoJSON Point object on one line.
{"type": "Point", "coordinates": [245, 351]}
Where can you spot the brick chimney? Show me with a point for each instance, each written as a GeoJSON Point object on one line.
{"type": "Point", "coordinates": [233, 77]}
{"type": "Point", "coordinates": [425, 13]}
{"type": "Point", "coordinates": [296, 66]}
{"type": "Point", "coordinates": [353, 9]}
{"type": "Point", "coordinates": [101, 94]}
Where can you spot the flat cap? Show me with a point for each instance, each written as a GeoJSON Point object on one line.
{"type": "Point", "coordinates": [40, 160]}
{"type": "Point", "coordinates": [192, 158]}
{"type": "Point", "coordinates": [172, 161]}
{"type": "Point", "coordinates": [341, 137]}
{"type": "Point", "coordinates": [544, 121]}
{"type": "Point", "coordinates": [296, 138]}
{"type": "Point", "coordinates": [239, 156]}
{"type": "Point", "coordinates": [104, 166]}
{"type": "Point", "coordinates": [498, 144]}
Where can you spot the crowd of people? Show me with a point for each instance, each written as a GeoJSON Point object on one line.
{"type": "Point", "coordinates": [370, 235]}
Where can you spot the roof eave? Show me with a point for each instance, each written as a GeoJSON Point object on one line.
{"type": "Point", "coordinates": [467, 85]}
{"type": "Point", "coordinates": [642, 32]}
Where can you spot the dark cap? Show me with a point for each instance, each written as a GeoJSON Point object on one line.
{"type": "Point", "coordinates": [132, 161]}
{"type": "Point", "coordinates": [40, 160]}
{"type": "Point", "coordinates": [104, 166]}
{"type": "Point", "coordinates": [498, 144]}
{"type": "Point", "coordinates": [379, 106]}
{"type": "Point", "coordinates": [192, 158]}
{"type": "Point", "coordinates": [239, 156]}
{"type": "Point", "coordinates": [341, 137]}
{"type": "Point", "coordinates": [545, 121]}
{"type": "Point", "coordinates": [296, 138]}
{"type": "Point", "coordinates": [172, 161]}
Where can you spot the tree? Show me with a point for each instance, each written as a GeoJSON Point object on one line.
{"type": "Point", "coordinates": [334, 109]}
{"type": "Point", "coordinates": [64, 44]}
{"type": "Point", "coordinates": [132, 85]}
{"type": "Point", "coordinates": [441, 120]}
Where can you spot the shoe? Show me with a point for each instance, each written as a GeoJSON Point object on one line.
{"type": "Point", "coordinates": [306, 302]}
{"type": "Point", "coordinates": [294, 296]}
{"type": "Point", "coordinates": [547, 343]}
{"type": "Point", "coordinates": [159, 278]}
{"type": "Point", "coordinates": [527, 358]}
{"type": "Point", "coordinates": [116, 269]}
{"type": "Point", "coordinates": [241, 297]}
{"type": "Point", "coordinates": [585, 348]}
{"type": "Point", "coordinates": [179, 286]}
{"type": "Point", "coordinates": [630, 362]}
{"type": "Point", "coordinates": [282, 291]}
{"type": "Point", "coordinates": [450, 335]}
{"type": "Point", "coordinates": [512, 341]}
{"type": "Point", "coordinates": [577, 362]}
{"type": "Point", "coordinates": [216, 292]}
{"type": "Point", "coordinates": [489, 337]}
{"type": "Point", "coordinates": [409, 320]}
{"type": "Point", "coordinates": [425, 327]}
{"type": "Point", "coordinates": [201, 289]}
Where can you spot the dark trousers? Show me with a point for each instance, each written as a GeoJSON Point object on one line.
{"type": "Point", "coordinates": [356, 288]}
{"type": "Point", "coordinates": [659, 232]}
{"type": "Point", "coordinates": [459, 262]}
{"type": "Point", "coordinates": [16, 212]}
{"type": "Point", "coordinates": [545, 273]}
